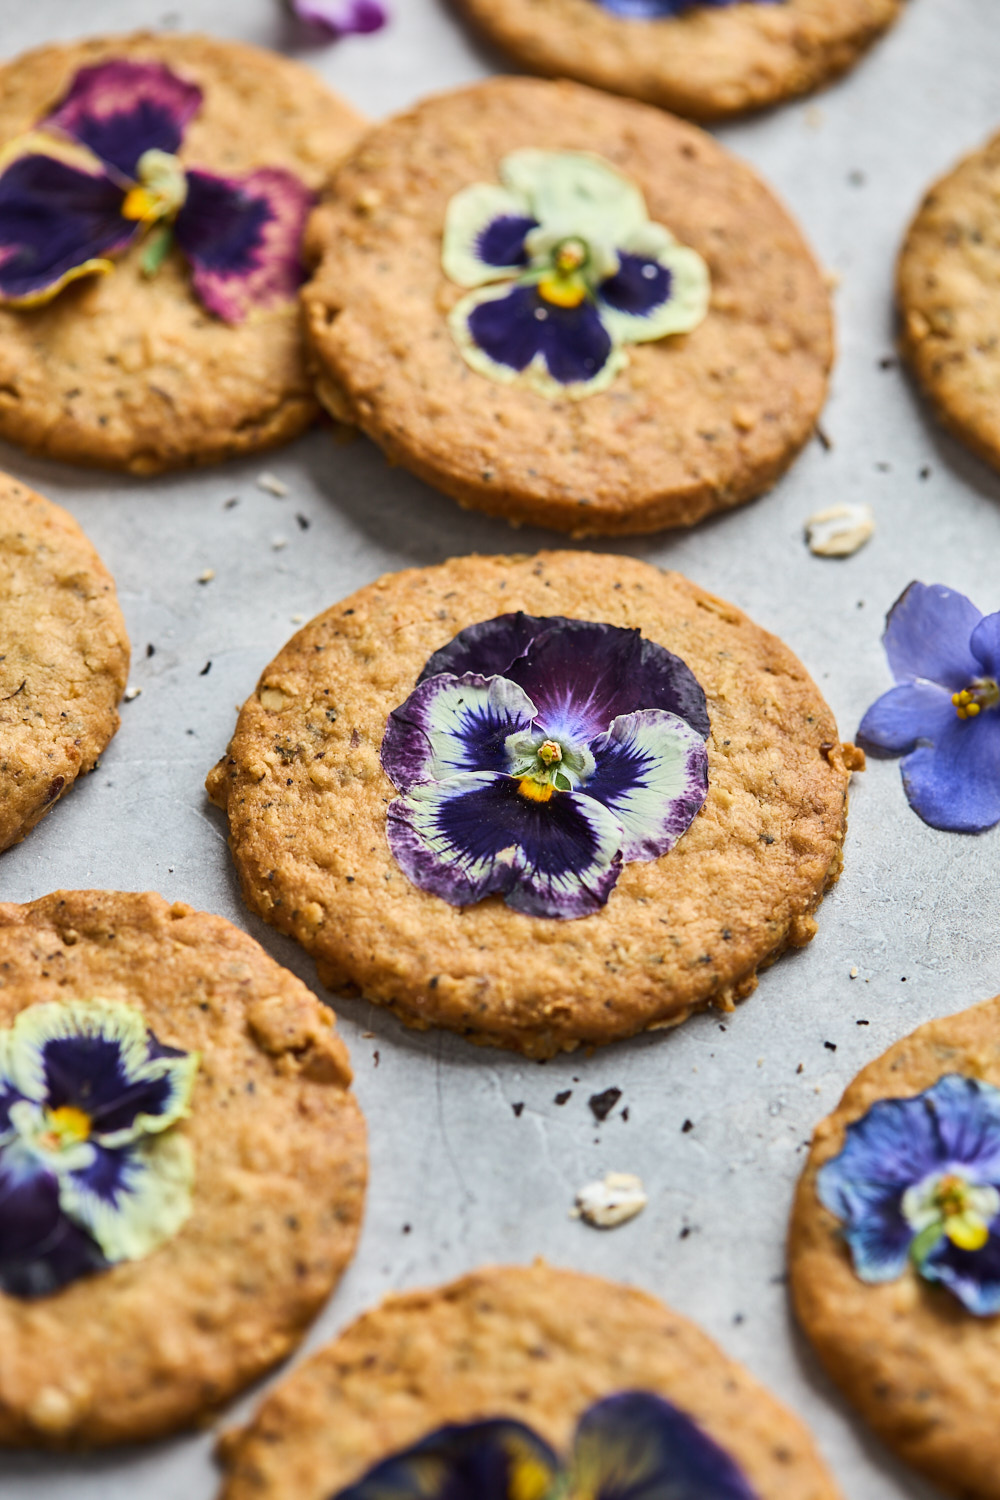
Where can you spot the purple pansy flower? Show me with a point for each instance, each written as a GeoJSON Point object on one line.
{"type": "Point", "coordinates": [102, 170]}
{"type": "Point", "coordinates": [918, 1181]}
{"type": "Point", "coordinates": [943, 715]}
{"type": "Point", "coordinates": [535, 755]}
{"type": "Point", "coordinates": [659, 10]}
{"type": "Point", "coordinates": [341, 17]}
{"type": "Point", "coordinates": [631, 1446]}
{"type": "Point", "coordinates": [90, 1171]}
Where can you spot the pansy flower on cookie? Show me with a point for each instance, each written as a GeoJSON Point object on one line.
{"type": "Point", "coordinates": [629, 1446]}
{"type": "Point", "coordinates": [536, 755]}
{"type": "Point", "coordinates": [918, 1183]}
{"type": "Point", "coordinates": [341, 17]}
{"type": "Point", "coordinates": [102, 170]}
{"type": "Point", "coordinates": [943, 715]}
{"type": "Point", "coordinates": [91, 1170]}
{"type": "Point", "coordinates": [660, 10]}
{"type": "Point", "coordinates": [567, 270]}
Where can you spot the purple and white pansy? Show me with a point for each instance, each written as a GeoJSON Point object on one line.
{"type": "Point", "coordinates": [536, 755]}
{"type": "Point", "coordinates": [567, 270]}
{"type": "Point", "coordinates": [661, 10]}
{"type": "Point", "coordinates": [341, 17]}
{"type": "Point", "coordinates": [102, 171]}
{"type": "Point", "coordinates": [91, 1171]}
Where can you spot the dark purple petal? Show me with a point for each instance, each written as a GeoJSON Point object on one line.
{"type": "Point", "coordinates": [472, 1461]}
{"type": "Point", "coordinates": [121, 109]}
{"type": "Point", "coordinates": [108, 1176]}
{"type": "Point", "coordinates": [40, 1249]}
{"type": "Point", "coordinates": [927, 635]}
{"type": "Point", "coordinates": [972, 1275]}
{"type": "Point", "coordinates": [502, 242]}
{"type": "Point", "coordinates": [636, 1446]}
{"type": "Point", "coordinates": [954, 784]}
{"type": "Point", "coordinates": [513, 329]}
{"type": "Point", "coordinates": [639, 285]}
{"type": "Point", "coordinates": [54, 220]}
{"type": "Point", "coordinates": [86, 1072]}
{"type": "Point", "coordinates": [340, 17]}
{"type": "Point", "coordinates": [243, 237]}
{"type": "Point", "coordinates": [449, 725]}
{"type": "Point", "coordinates": [651, 770]}
{"type": "Point", "coordinates": [985, 646]}
{"type": "Point", "coordinates": [905, 715]}
{"type": "Point", "coordinates": [489, 648]}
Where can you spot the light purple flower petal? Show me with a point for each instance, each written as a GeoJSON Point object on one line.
{"type": "Point", "coordinates": [985, 646]}
{"type": "Point", "coordinates": [954, 783]}
{"type": "Point", "coordinates": [121, 109]}
{"type": "Point", "coordinates": [341, 17]}
{"type": "Point", "coordinates": [927, 635]}
{"type": "Point", "coordinates": [652, 772]}
{"type": "Point", "coordinates": [449, 725]}
{"type": "Point", "coordinates": [905, 715]}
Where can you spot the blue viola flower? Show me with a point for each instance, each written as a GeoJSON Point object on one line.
{"type": "Point", "coordinates": [659, 10]}
{"type": "Point", "coordinates": [918, 1182]}
{"type": "Point", "coordinates": [631, 1446]}
{"type": "Point", "coordinates": [341, 17]}
{"type": "Point", "coordinates": [567, 271]}
{"type": "Point", "coordinates": [943, 715]}
{"type": "Point", "coordinates": [536, 755]}
{"type": "Point", "coordinates": [102, 170]}
{"type": "Point", "coordinates": [90, 1171]}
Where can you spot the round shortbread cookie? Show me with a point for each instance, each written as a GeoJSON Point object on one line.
{"type": "Point", "coordinates": [64, 657]}
{"type": "Point", "coordinates": [307, 804]}
{"type": "Point", "coordinates": [149, 1345]}
{"type": "Point", "coordinates": [132, 372]}
{"type": "Point", "coordinates": [695, 422]}
{"type": "Point", "coordinates": [923, 1371]}
{"type": "Point", "coordinates": [707, 63]}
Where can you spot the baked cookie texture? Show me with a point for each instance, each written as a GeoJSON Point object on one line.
{"type": "Point", "coordinates": [129, 372]}
{"type": "Point", "coordinates": [531, 1343]}
{"type": "Point", "coordinates": [919, 1368]}
{"type": "Point", "coordinates": [696, 423]}
{"type": "Point", "coordinates": [64, 657]}
{"type": "Point", "coordinates": [949, 300]}
{"type": "Point", "coordinates": [708, 64]}
{"type": "Point", "coordinates": [147, 1347]}
{"type": "Point", "coordinates": [306, 799]}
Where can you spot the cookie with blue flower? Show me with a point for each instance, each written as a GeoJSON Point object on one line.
{"type": "Point", "coordinates": [567, 309]}
{"type": "Point", "coordinates": [523, 1383]}
{"type": "Point", "coordinates": [64, 657]}
{"type": "Point", "coordinates": [154, 192]}
{"type": "Point", "coordinates": [182, 1166]}
{"type": "Point", "coordinates": [544, 801]}
{"type": "Point", "coordinates": [894, 1248]}
{"type": "Point", "coordinates": [707, 59]}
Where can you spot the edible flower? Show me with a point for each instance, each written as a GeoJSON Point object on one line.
{"type": "Point", "coordinates": [631, 1446]}
{"type": "Point", "coordinates": [658, 10]}
{"type": "Point", "coordinates": [918, 1183]}
{"type": "Point", "coordinates": [341, 17]}
{"type": "Point", "coordinates": [943, 715]}
{"type": "Point", "coordinates": [102, 171]}
{"type": "Point", "coordinates": [536, 755]}
{"type": "Point", "coordinates": [567, 270]}
{"type": "Point", "coordinates": [91, 1172]}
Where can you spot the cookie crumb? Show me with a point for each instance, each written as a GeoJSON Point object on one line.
{"type": "Point", "coordinates": [840, 531]}
{"type": "Point", "coordinates": [131, 693]}
{"type": "Point", "coordinates": [278, 542]}
{"type": "Point", "coordinates": [206, 576]}
{"type": "Point", "coordinates": [613, 1200]}
{"type": "Point", "coordinates": [272, 485]}
{"type": "Point", "coordinates": [854, 972]}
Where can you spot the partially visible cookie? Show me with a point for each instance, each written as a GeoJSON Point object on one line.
{"type": "Point", "coordinates": [152, 1264]}
{"type": "Point", "coordinates": [64, 657]}
{"type": "Point", "coordinates": [708, 61]}
{"type": "Point", "coordinates": [591, 399]}
{"type": "Point", "coordinates": [134, 370]}
{"type": "Point", "coordinates": [949, 300]}
{"type": "Point", "coordinates": [894, 1245]}
{"type": "Point", "coordinates": [640, 938]}
{"type": "Point", "coordinates": [535, 1345]}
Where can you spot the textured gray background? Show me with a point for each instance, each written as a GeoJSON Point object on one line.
{"type": "Point", "coordinates": [915, 911]}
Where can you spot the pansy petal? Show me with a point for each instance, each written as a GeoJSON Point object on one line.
{"type": "Point", "coordinates": [651, 770]}
{"type": "Point", "coordinates": [966, 1113]}
{"type": "Point", "coordinates": [516, 337]}
{"type": "Point", "coordinates": [470, 1461]}
{"type": "Point", "coordinates": [637, 1446]}
{"type": "Point", "coordinates": [575, 193]}
{"type": "Point", "coordinates": [40, 1249]}
{"type": "Point", "coordinates": [121, 109]}
{"type": "Point", "coordinates": [342, 17]}
{"type": "Point", "coordinates": [133, 1199]}
{"type": "Point", "coordinates": [972, 1275]}
{"type": "Point", "coordinates": [954, 784]}
{"type": "Point", "coordinates": [927, 635]}
{"type": "Point", "coordinates": [485, 230]}
{"type": "Point", "coordinates": [984, 644]}
{"type": "Point", "coordinates": [58, 222]}
{"type": "Point", "coordinates": [489, 647]}
{"type": "Point", "coordinates": [243, 237]}
{"type": "Point", "coordinates": [651, 297]}
{"type": "Point", "coordinates": [905, 715]}
{"type": "Point", "coordinates": [449, 725]}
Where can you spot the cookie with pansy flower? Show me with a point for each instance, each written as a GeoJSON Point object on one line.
{"type": "Point", "coordinates": [182, 1166]}
{"type": "Point", "coordinates": [154, 192]}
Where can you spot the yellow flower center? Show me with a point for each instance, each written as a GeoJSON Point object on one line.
{"type": "Point", "coordinates": [963, 1226]}
{"type": "Point", "coordinates": [535, 791]}
{"type": "Point", "coordinates": [549, 753]}
{"type": "Point", "coordinates": [160, 191]}
{"type": "Point", "coordinates": [970, 702]}
{"type": "Point", "coordinates": [67, 1126]}
{"type": "Point", "coordinates": [529, 1480]}
{"type": "Point", "coordinates": [563, 285]}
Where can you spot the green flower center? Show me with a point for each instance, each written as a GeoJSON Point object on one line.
{"type": "Point", "coordinates": [160, 191]}
{"type": "Point", "coordinates": [983, 692]}
{"type": "Point", "coordinates": [949, 1205]}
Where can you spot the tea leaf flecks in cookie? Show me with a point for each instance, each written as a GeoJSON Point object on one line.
{"type": "Point", "coordinates": [90, 1170]}
{"type": "Point", "coordinates": [536, 755]}
{"type": "Point", "coordinates": [943, 715]}
{"type": "Point", "coordinates": [567, 270]}
{"type": "Point", "coordinates": [918, 1181]}
{"type": "Point", "coordinates": [341, 17]}
{"type": "Point", "coordinates": [103, 168]}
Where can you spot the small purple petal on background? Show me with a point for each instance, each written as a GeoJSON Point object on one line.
{"type": "Point", "coordinates": [927, 635]}
{"type": "Point", "coordinates": [55, 218]}
{"type": "Point", "coordinates": [342, 17]}
{"type": "Point", "coordinates": [984, 644]}
{"type": "Point", "coordinates": [906, 714]}
{"type": "Point", "coordinates": [449, 725]}
{"type": "Point", "coordinates": [121, 109]}
{"type": "Point", "coordinates": [954, 784]}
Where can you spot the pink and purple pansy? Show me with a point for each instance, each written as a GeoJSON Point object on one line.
{"type": "Point", "coordinates": [91, 1172]}
{"type": "Point", "coordinates": [660, 10]}
{"type": "Point", "coordinates": [943, 715]}
{"type": "Point", "coordinates": [102, 171]}
{"type": "Point", "coordinates": [918, 1183]}
{"type": "Point", "coordinates": [567, 270]}
{"type": "Point", "coordinates": [536, 755]}
{"type": "Point", "coordinates": [341, 17]}
{"type": "Point", "coordinates": [630, 1446]}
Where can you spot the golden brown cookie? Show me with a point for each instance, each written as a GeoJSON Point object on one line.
{"type": "Point", "coordinates": [148, 1345]}
{"type": "Point", "coordinates": [703, 62]}
{"type": "Point", "coordinates": [132, 371]}
{"type": "Point", "coordinates": [64, 657]}
{"type": "Point", "coordinates": [691, 423]}
{"type": "Point", "coordinates": [917, 1353]}
{"type": "Point", "coordinates": [307, 803]}
{"type": "Point", "coordinates": [529, 1343]}
{"type": "Point", "coordinates": [949, 300]}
